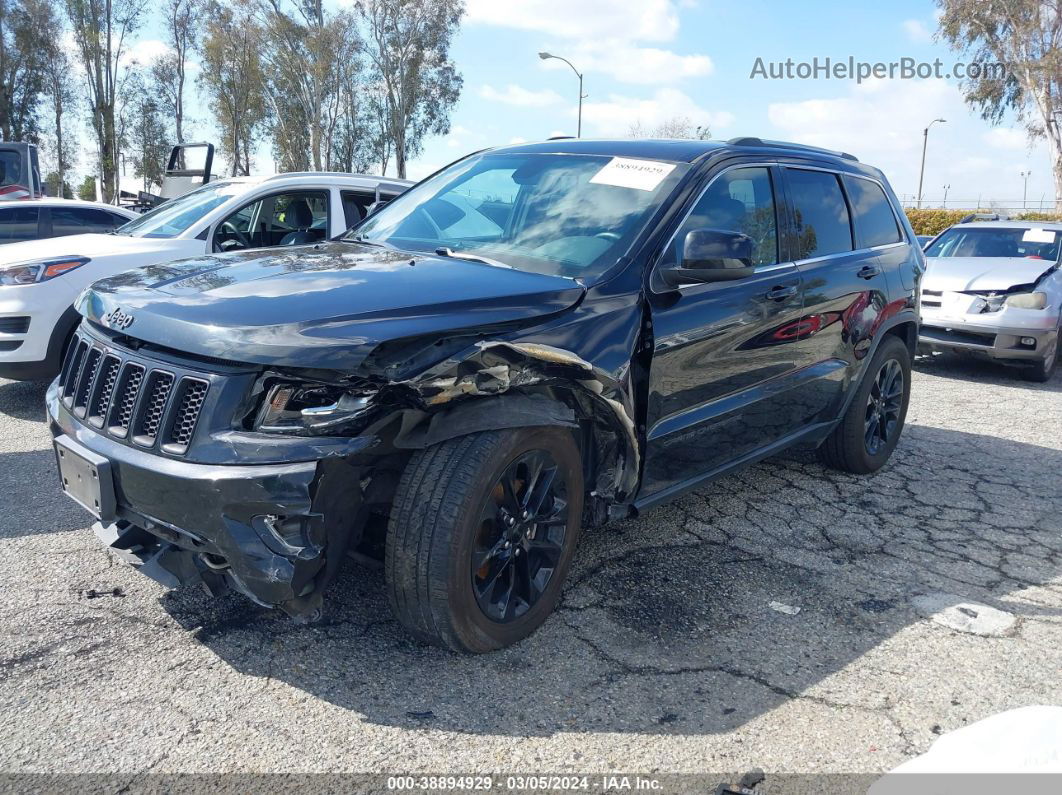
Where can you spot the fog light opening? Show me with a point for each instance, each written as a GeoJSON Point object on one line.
{"type": "Point", "coordinates": [1028, 342]}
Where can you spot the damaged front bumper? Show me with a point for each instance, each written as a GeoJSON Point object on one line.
{"type": "Point", "coordinates": [275, 532]}
{"type": "Point", "coordinates": [1007, 345]}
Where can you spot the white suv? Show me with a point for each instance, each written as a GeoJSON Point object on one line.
{"type": "Point", "coordinates": [40, 279]}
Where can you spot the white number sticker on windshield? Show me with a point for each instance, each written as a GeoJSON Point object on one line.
{"type": "Point", "coordinates": [1038, 236]}
{"type": "Point", "coordinates": [625, 172]}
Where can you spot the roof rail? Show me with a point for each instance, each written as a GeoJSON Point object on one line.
{"type": "Point", "coordinates": [751, 141]}
{"type": "Point", "coordinates": [560, 137]}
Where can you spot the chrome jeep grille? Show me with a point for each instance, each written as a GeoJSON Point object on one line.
{"type": "Point", "coordinates": [148, 404]}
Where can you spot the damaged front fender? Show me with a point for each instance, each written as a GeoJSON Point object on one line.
{"type": "Point", "coordinates": [517, 371]}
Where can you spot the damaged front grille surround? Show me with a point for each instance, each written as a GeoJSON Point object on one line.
{"type": "Point", "coordinates": [149, 404]}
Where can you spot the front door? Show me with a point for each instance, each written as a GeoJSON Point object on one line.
{"type": "Point", "coordinates": [726, 363]}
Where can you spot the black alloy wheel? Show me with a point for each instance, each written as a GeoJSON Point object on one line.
{"type": "Point", "coordinates": [884, 405]}
{"type": "Point", "coordinates": [521, 537]}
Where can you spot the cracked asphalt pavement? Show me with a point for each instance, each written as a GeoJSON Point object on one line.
{"type": "Point", "coordinates": [666, 654]}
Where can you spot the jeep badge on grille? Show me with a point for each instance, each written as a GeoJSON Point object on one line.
{"type": "Point", "coordinates": [118, 319]}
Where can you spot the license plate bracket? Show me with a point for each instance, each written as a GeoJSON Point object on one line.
{"type": "Point", "coordinates": [85, 477]}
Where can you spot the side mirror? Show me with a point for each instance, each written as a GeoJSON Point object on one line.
{"type": "Point", "coordinates": [712, 255]}
{"type": "Point", "coordinates": [231, 244]}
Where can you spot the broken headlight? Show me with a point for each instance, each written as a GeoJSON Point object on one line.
{"type": "Point", "coordinates": [1027, 300]}
{"type": "Point", "coordinates": [310, 408]}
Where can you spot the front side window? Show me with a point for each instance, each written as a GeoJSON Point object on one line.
{"type": "Point", "coordinates": [995, 241]}
{"type": "Point", "coordinates": [875, 222]}
{"type": "Point", "coordinates": [11, 169]}
{"type": "Point", "coordinates": [285, 219]}
{"type": "Point", "coordinates": [18, 223]}
{"type": "Point", "coordinates": [562, 214]}
{"type": "Point", "coordinates": [820, 214]}
{"type": "Point", "coordinates": [178, 215]}
{"type": "Point", "coordinates": [740, 200]}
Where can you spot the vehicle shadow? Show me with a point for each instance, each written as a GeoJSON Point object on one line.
{"type": "Point", "coordinates": [33, 502]}
{"type": "Point", "coordinates": [23, 400]}
{"type": "Point", "coordinates": [701, 615]}
{"type": "Point", "coordinates": [981, 371]}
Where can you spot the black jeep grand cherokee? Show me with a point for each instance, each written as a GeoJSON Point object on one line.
{"type": "Point", "coordinates": [534, 340]}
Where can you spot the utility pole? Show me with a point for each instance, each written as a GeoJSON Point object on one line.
{"type": "Point", "coordinates": [1025, 189]}
{"type": "Point", "coordinates": [922, 171]}
{"type": "Point", "coordinates": [545, 56]}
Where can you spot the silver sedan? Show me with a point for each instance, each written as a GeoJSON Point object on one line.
{"type": "Point", "coordinates": [994, 289]}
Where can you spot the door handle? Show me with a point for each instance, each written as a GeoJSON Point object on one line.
{"type": "Point", "coordinates": [780, 293]}
{"type": "Point", "coordinates": [868, 272]}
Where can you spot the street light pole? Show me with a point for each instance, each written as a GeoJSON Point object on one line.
{"type": "Point", "coordinates": [545, 56]}
{"type": "Point", "coordinates": [1025, 190]}
{"type": "Point", "coordinates": [922, 171]}
{"type": "Point", "coordinates": [946, 189]}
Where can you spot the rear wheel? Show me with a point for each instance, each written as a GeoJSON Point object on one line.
{"type": "Point", "coordinates": [481, 536]}
{"type": "Point", "coordinates": [867, 434]}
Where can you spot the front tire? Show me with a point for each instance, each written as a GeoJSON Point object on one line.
{"type": "Point", "coordinates": [1042, 371]}
{"type": "Point", "coordinates": [481, 535]}
{"type": "Point", "coordinates": [867, 434]}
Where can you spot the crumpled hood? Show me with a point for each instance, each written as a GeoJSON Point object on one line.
{"type": "Point", "coordinates": [91, 245]}
{"type": "Point", "coordinates": [968, 274]}
{"type": "Point", "coordinates": [322, 306]}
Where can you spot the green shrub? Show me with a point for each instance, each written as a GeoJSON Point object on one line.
{"type": "Point", "coordinates": [932, 221]}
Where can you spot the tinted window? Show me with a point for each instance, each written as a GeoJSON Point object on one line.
{"type": "Point", "coordinates": [18, 223]}
{"type": "Point", "coordinates": [820, 214]}
{"type": "Point", "coordinates": [740, 200]}
{"type": "Point", "coordinates": [875, 223]}
{"type": "Point", "coordinates": [79, 220]}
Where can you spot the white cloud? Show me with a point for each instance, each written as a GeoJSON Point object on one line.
{"type": "Point", "coordinates": [517, 140]}
{"type": "Point", "coordinates": [616, 114]}
{"type": "Point", "coordinates": [145, 52]}
{"type": "Point", "coordinates": [1012, 138]}
{"type": "Point", "coordinates": [647, 20]}
{"type": "Point", "coordinates": [630, 63]}
{"type": "Point", "coordinates": [604, 36]}
{"type": "Point", "coordinates": [881, 123]}
{"type": "Point", "coordinates": [517, 95]}
{"type": "Point", "coordinates": [917, 32]}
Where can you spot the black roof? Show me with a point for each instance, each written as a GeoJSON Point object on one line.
{"type": "Point", "coordinates": [676, 150]}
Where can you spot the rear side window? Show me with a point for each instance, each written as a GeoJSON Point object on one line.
{"type": "Point", "coordinates": [18, 223]}
{"type": "Point", "coordinates": [79, 220]}
{"type": "Point", "coordinates": [820, 214]}
{"type": "Point", "coordinates": [875, 222]}
{"type": "Point", "coordinates": [354, 207]}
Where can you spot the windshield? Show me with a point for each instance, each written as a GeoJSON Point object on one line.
{"type": "Point", "coordinates": [995, 241]}
{"type": "Point", "coordinates": [565, 215]}
{"type": "Point", "coordinates": [177, 215]}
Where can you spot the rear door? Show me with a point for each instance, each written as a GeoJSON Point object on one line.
{"type": "Point", "coordinates": [726, 353]}
{"type": "Point", "coordinates": [845, 288]}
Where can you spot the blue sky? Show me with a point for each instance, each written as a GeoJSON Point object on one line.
{"type": "Point", "coordinates": [648, 60]}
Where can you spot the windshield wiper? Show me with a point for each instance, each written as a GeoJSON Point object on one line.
{"type": "Point", "coordinates": [365, 242]}
{"type": "Point", "coordinates": [471, 256]}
